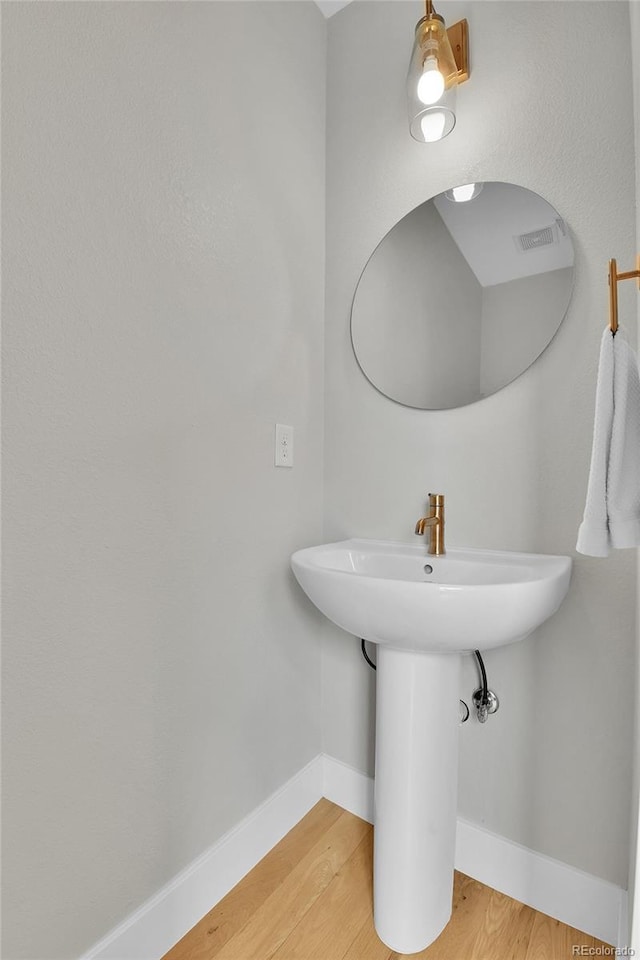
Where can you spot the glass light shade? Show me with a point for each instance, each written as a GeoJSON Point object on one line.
{"type": "Point", "coordinates": [431, 82]}
{"type": "Point", "coordinates": [431, 123]}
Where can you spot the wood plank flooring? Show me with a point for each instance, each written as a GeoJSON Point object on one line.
{"type": "Point", "coordinates": [310, 898]}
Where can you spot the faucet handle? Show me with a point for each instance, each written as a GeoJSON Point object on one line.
{"type": "Point", "coordinates": [436, 499]}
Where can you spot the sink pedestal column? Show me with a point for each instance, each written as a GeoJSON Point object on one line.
{"type": "Point", "coordinates": [417, 720]}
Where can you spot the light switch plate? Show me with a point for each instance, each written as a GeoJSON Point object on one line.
{"type": "Point", "coordinates": [284, 445]}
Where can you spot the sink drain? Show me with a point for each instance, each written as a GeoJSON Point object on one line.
{"type": "Point", "coordinates": [428, 568]}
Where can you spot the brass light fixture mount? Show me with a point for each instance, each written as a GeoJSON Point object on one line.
{"type": "Point", "coordinates": [459, 39]}
{"type": "Point", "coordinates": [458, 35]}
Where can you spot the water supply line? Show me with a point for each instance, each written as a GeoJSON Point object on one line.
{"type": "Point", "coordinates": [484, 700]}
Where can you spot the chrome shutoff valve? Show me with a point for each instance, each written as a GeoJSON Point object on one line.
{"type": "Point", "coordinates": [485, 705]}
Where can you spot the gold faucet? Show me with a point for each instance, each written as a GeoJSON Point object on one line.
{"type": "Point", "coordinates": [435, 522]}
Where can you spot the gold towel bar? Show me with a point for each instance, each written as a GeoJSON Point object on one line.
{"type": "Point", "coordinates": [614, 278]}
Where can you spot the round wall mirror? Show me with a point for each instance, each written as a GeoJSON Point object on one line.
{"type": "Point", "coordinates": [462, 295]}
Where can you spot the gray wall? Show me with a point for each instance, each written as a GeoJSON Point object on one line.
{"type": "Point", "coordinates": [163, 176]}
{"type": "Point", "coordinates": [416, 316]}
{"type": "Point", "coordinates": [552, 769]}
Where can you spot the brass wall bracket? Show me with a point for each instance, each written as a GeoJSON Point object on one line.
{"type": "Point", "coordinates": [614, 279]}
{"type": "Point", "coordinates": [458, 35]}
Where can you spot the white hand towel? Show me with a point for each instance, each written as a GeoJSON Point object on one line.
{"type": "Point", "coordinates": [612, 511]}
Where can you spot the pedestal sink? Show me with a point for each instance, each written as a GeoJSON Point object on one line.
{"type": "Point", "coordinates": [424, 612]}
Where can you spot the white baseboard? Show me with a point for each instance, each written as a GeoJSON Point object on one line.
{"type": "Point", "coordinates": [624, 925]}
{"type": "Point", "coordinates": [348, 788]}
{"type": "Point", "coordinates": [162, 920]}
{"type": "Point", "coordinates": [563, 892]}
{"type": "Point", "coordinates": [576, 898]}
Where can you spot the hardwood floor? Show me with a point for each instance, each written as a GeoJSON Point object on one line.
{"type": "Point", "coordinates": [310, 898]}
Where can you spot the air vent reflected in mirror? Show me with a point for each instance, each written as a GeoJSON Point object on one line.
{"type": "Point", "coordinates": [536, 238]}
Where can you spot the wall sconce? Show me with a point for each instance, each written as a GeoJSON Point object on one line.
{"type": "Point", "coordinates": [439, 62]}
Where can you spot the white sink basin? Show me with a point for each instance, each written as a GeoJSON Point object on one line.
{"type": "Point", "coordinates": [471, 599]}
{"type": "Point", "coordinates": [421, 618]}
